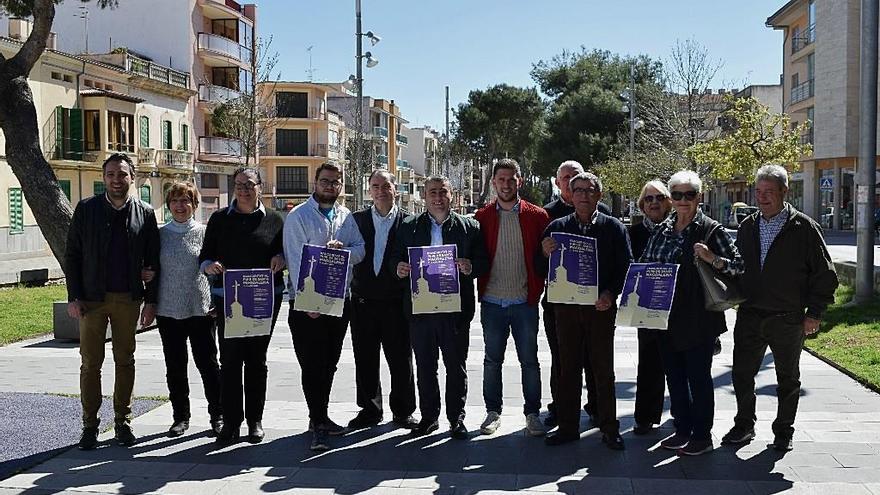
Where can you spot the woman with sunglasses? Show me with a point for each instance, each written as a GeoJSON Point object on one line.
{"type": "Point", "coordinates": [686, 346]}
{"type": "Point", "coordinates": [654, 202]}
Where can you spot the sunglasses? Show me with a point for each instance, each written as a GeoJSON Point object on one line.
{"type": "Point", "coordinates": [689, 195]}
{"type": "Point", "coordinates": [658, 198]}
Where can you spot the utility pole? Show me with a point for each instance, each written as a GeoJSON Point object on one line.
{"type": "Point", "coordinates": [359, 113]}
{"type": "Point", "coordinates": [867, 166]}
{"type": "Point", "coordinates": [447, 154]}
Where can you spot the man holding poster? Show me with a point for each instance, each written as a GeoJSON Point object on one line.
{"type": "Point", "coordinates": [311, 227]}
{"type": "Point", "coordinates": [446, 332]}
{"type": "Point", "coordinates": [579, 323]}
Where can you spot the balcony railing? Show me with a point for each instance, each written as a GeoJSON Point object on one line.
{"type": "Point", "coordinates": [807, 138]}
{"type": "Point", "coordinates": [166, 158]}
{"type": "Point", "coordinates": [401, 139]}
{"type": "Point", "coordinates": [224, 46]}
{"type": "Point", "coordinates": [801, 92]}
{"type": "Point", "coordinates": [319, 150]}
{"type": "Point", "coordinates": [380, 131]}
{"type": "Point", "coordinates": [805, 39]}
{"type": "Point", "coordinates": [382, 159]}
{"type": "Point", "coordinates": [217, 94]}
{"type": "Point", "coordinates": [334, 148]}
{"type": "Point", "coordinates": [155, 71]}
{"type": "Point", "coordinates": [220, 146]}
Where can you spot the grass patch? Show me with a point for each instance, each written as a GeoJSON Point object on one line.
{"type": "Point", "coordinates": [27, 311]}
{"type": "Point", "coordinates": [850, 337]}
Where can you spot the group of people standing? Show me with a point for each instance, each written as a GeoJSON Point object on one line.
{"type": "Point", "coordinates": [118, 260]}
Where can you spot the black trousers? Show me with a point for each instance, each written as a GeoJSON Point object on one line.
{"type": "Point", "coordinates": [753, 333]}
{"type": "Point", "coordinates": [381, 324]}
{"type": "Point", "coordinates": [650, 383]}
{"type": "Point", "coordinates": [553, 342]}
{"type": "Point", "coordinates": [317, 343]}
{"type": "Point", "coordinates": [247, 354]}
{"type": "Point", "coordinates": [580, 327]}
{"type": "Point", "coordinates": [199, 330]}
{"type": "Point", "coordinates": [691, 389]}
{"type": "Point", "coordinates": [432, 334]}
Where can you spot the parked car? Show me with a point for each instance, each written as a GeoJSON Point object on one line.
{"type": "Point", "coordinates": [738, 212]}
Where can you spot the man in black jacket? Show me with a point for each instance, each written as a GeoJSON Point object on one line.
{"type": "Point", "coordinates": [112, 238]}
{"type": "Point", "coordinates": [789, 282]}
{"type": "Point", "coordinates": [589, 326]}
{"type": "Point", "coordinates": [444, 332]}
{"type": "Point", "coordinates": [377, 319]}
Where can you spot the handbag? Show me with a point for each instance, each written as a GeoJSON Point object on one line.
{"type": "Point", "coordinates": [721, 291]}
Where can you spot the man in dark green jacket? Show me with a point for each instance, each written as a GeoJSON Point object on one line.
{"type": "Point", "coordinates": [789, 282]}
{"type": "Point", "coordinates": [441, 332]}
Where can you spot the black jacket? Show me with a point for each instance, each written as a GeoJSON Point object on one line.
{"type": "Point", "coordinates": [464, 233]}
{"type": "Point", "coordinates": [88, 242]}
{"type": "Point", "coordinates": [364, 282]}
{"type": "Point", "coordinates": [612, 244]}
{"type": "Point", "coordinates": [798, 274]}
{"type": "Point", "coordinates": [638, 239]}
{"type": "Point", "coordinates": [558, 209]}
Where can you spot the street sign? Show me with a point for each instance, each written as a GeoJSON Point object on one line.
{"type": "Point", "coordinates": [826, 184]}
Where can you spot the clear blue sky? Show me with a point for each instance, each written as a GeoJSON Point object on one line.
{"type": "Point", "coordinates": [473, 44]}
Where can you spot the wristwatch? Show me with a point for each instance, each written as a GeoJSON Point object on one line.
{"type": "Point", "coordinates": [718, 263]}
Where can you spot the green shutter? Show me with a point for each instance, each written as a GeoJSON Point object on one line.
{"type": "Point", "coordinates": [76, 134]}
{"type": "Point", "coordinates": [16, 211]}
{"type": "Point", "coordinates": [166, 135]}
{"type": "Point", "coordinates": [65, 188]}
{"type": "Point", "coordinates": [98, 188]}
{"type": "Point", "coordinates": [145, 132]}
{"type": "Point", "coordinates": [184, 137]}
{"type": "Point", "coordinates": [146, 196]}
{"type": "Point", "coordinates": [59, 133]}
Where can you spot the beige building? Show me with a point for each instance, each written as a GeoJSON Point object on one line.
{"type": "Point", "coordinates": [88, 108]}
{"type": "Point", "coordinates": [820, 77]}
{"type": "Point", "coordinates": [301, 135]}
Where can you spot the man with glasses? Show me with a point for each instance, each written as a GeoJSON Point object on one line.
{"type": "Point", "coordinates": [113, 237]}
{"type": "Point", "coordinates": [317, 338]}
{"type": "Point", "coordinates": [590, 326]}
{"type": "Point", "coordinates": [377, 319]}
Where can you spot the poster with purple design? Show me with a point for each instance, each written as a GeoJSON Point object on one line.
{"type": "Point", "coordinates": [434, 279]}
{"type": "Point", "coordinates": [322, 280]}
{"type": "Point", "coordinates": [248, 303]}
{"type": "Point", "coordinates": [574, 270]}
{"type": "Point", "coordinates": [647, 295]}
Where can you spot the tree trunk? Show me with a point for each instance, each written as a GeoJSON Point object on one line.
{"type": "Point", "coordinates": [18, 119]}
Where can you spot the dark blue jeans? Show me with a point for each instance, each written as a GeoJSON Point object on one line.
{"type": "Point", "coordinates": [691, 391]}
{"type": "Point", "coordinates": [431, 335]}
{"type": "Point", "coordinates": [498, 323]}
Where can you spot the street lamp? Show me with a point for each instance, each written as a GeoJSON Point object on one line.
{"type": "Point", "coordinates": [359, 112]}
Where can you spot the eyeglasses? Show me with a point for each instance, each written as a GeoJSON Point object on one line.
{"type": "Point", "coordinates": [654, 197]}
{"type": "Point", "coordinates": [688, 195]}
{"type": "Point", "coordinates": [245, 186]}
{"type": "Point", "coordinates": [585, 190]}
{"type": "Point", "coordinates": [329, 183]}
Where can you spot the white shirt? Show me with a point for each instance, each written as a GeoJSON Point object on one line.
{"type": "Point", "coordinates": [382, 226]}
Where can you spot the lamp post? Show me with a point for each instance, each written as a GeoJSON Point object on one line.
{"type": "Point", "coordinates": [358, 81]}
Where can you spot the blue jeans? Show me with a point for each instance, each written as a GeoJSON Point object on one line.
{"type": "Point", "coordinates": [498, 324]}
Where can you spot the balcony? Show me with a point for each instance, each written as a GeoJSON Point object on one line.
{"type": "Point", "coordinates": [223, 46]}
{"type": "Point", "coordinates": [320, 150]}
{"type": "Point", "coordinates": [402, 164]}
{"type": "Point", "coordinates": [220, 146]}
{"type": "Point", "coordinates": [380, 132]}
{"type": "Point", "coordinates": [155, 72]}
{"type": "Point", "coordinates": [174, 159]}
{"type": "Point", "coordinates": [382, 160]}
{"type": "Point", "coordinates": [806, 38]}
{"type": "Point", "coordinates": [801, 92]}
{"type": "Point", "coordinates": [217, 94]}
{"type": "Point", "coordinates": [402, 140]}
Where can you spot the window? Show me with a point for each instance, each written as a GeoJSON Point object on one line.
{"type": "Point", "coordinates": [16, 211]}
{"type": "Point", "coordinates": [121, 131]}
{"type": "Point", "coordinates": [108, 87]}
{"type": "Point", "coordinates": [166, 135]}
{"type": "Point", "coordinates": [289, 104]}
{"type": "Point", "coordinates": [144, 141]}
{"type": "Point", "coordinates": [98, 188]}
{"type": "Point", "coordinates": [226, 77]}
{"type": "Point", "coordinates": [92, 130]}
{"type": "Point", "coordinates": [227, 28]}
{"type": "Point", "coordinates": [811, 66]}
{"type": "Point", "coordinates": [56, 76]}
{"type": "Point", "coordinates": [292, 180]}
{"type": "Point", "coordinates": [88, 83]}
{"type": "Point", "coordinates": [64, 184]}
{"type": "Point", "coordinates": [68, 78]}
{"type": "Point", "coordinates": [291, 142]}
{"type": "Point", "coordinates": [146, 195]}
{"type": "Point", "coordinates": [795, 80]}
{"type": "Point", "coordinates": [811, 13]}
{"type": "Point", "coordinates": [245, 79]}
{"type": "Point", "coordinates": [68, 134]}
{"type": "Point", "coordinates": [184, 137]}
{"type": "Point", "coordinates": [210, 181]}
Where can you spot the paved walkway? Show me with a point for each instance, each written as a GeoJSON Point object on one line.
{"type": "Point", "coordinates": [837, 444]}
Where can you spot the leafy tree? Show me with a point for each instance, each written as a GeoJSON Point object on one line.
{"type": "Point", "coordinates": [18, 121]}
{"type": "Point", "coordinates": [500, 122]}
{"type": "Point", "coordinates": [757, 137]}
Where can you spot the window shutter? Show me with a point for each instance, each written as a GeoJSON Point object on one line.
{"type": "Point", "coordinates": [145, 132]}
{"type": "Point", "coordinates": [16, 211]}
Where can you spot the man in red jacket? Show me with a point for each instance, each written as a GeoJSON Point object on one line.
{"type": "Point", "coordinates": [509, 293]}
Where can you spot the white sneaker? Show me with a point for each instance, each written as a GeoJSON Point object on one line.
{"type": "Point", "coordinates": [491, 424]}
{"type": "Point", "coordinates": [534, 425]}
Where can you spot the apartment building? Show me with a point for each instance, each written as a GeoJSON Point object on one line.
{"type": "Point", "coordinates": [423, 157]}
{"type": "Point", "coordinates": [213, 40]}
{"type": "Point", "coordinates": [300, 135]}
{"type": "Point", "coordinates": [89, 107]}
{"type": "Point", "coordinates": [820, 78]}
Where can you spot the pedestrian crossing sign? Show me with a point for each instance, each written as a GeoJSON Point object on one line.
{"type": "Point", "coordinates": [826, 183]}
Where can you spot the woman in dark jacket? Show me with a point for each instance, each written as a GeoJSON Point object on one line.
{"type": "Point", "coordinates": [655, 203]}
{"type": "Point", "coordinates": [687, 345]}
